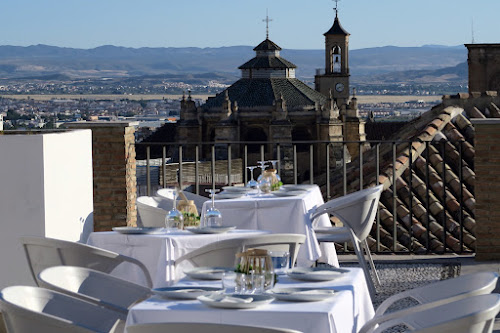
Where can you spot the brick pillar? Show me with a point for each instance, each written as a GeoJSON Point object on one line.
{"type": "Point", "coordinates": [114, 173]}
{"type": "Point", "coordinates": [487, 188]}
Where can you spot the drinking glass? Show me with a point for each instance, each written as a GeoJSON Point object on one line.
{"type": "Point", "coordinates": [274, 163]}
{"type": "Point", "coordinates": [262, 166]}
{"type": "Point", "coordinates": [213, 217]}
{"type": "Point", "coordinates": [229, 282]}
{"type": "Point", "coordinates": [174, 218]}
{"type": "Point", "coordinates": [281, 261]}
{"type": "Point", "coordinates": [252, 183]}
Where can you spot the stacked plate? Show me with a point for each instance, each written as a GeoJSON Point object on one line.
{"type": "Point", "coordinates": [316, 273]}
{"type": "Point", "coordinates": [235, 301]}
{"type": "Point", "coordinates": [139, 230]}
{"type": "Point", "coordinates": [207, 273]}
{"type": "Point", "coordinates": [301, 294]}
{"type": "Point", "coordinates": [232, 192]}
{"type": "Point", "coordinates": [210, 230]}
{"type": "Point", "coordinates": [186, 292]}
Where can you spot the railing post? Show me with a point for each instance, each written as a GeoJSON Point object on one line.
{"type": "Point", "coordinates": [327, 153]}
{"type": "Point", "coordinates": [148, 174]}
{"type": "Point", "coordinates": [360, 166]}
{"type": "Point", "coordinates": [229, 181]}
{"type": "Point", "coordinates": [180, 167]}
{"type": "Point", "coordinates": [295, 164]}
{"type": "Point", "coordinates": [311, 164]}
{"type": "Point", "coordinates": [377, 171]}
{"type": "Point", "coordinates": [394, 198]}
{"type": "Point", "coordinates": [164, 165]}
{"type": "Point", "coordinates": [213, 166]}
{"type": "Point", "coordinates": [196, 169]}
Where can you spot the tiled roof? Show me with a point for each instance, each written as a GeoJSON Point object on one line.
{"type": "Point", "coordinates": [267, 62]}
{"type": "Point", "coordinates": [267, 45]}
{"type": "Point", "coordinates": [263, 92]}
{"type": "Point", "coordinates": [431, 188]}
{"type": "Point", "coordinates": [337, 29]}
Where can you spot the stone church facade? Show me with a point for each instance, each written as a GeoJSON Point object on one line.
{"type": "Point", "coordinates": [268, 103]}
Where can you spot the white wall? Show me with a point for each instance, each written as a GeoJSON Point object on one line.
{"type": "Point", "coordinates": [45, 189]}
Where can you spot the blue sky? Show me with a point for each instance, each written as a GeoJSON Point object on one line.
{"type": "Point", "coordinates": [297, 24]}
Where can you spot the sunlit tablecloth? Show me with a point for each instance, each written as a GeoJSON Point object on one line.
{"type": "Point", "coordinates": [281, 215]}
{"type": "Point", "coordinates": [157, 252]}
{"type": "Point", "coordinates": [347, 311]}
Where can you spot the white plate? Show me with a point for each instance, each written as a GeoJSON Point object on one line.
{"type": "Point", "coordinates": [186, 292]}
{"type": "Point", "coordinates": [209, 230]}
{"type": "Point", "coordinates": [235, 301]}
{"type": "Point", "coordinates": [139, 230]}
{"type": "Point", "coordinates": [298, 187]}
{"type": "Point", "coordinates": [229, 195]}
{"type": "Point", "coordinates": [301, 294]}
{"type": "Point", "coordinates": [207, 273]}
{"type": "Point", "coordinates": [316, 273]}
{"type": "Point", "coordinates": [287, 193]}
{"type": "Point", "coordinates": [237, 189]}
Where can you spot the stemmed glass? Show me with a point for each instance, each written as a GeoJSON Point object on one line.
{"type": "Point", "coordinates": [252, 183]}
{"type": "Point", "coordinates": [262, 166]}
{"type": "Point", "coordinates": [274, 162]}
{"type": "Point", "coordinates": [174, 218]}
{"type": "Point", "coordinates": [213, 217]}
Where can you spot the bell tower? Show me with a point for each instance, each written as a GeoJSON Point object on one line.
{"type": "Point", "coordinates": [336, 75]}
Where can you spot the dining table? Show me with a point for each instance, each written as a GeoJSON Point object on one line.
{"type": "Point", "coordinates": [284, 211]}
{"type": "Point", "coordinates": [158, 251]}
{"type": "Point", "coordinates": [346, 311]}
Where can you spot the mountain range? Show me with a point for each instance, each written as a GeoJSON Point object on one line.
{"type": "Point", "coordinates": [430, 63]}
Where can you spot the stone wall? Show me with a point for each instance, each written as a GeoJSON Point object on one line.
{"type": "Point", "coordinates": [114, 173]}
{"type": "Point", "coordinates": [487, 188]}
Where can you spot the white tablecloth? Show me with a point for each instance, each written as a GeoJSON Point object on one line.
{"type": "Point", "coordinates": [281, 215]}
{"type": "Point", "coordinates": [347, 311]}
{"type": "Point", "coordinates": [157, 252]}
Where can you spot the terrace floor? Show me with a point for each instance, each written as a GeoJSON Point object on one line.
{"type": "Point", "coordinates": [467, 263]}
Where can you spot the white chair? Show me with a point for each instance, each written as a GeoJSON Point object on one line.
{"type": "Point", "coordinates": [437, 293]}
{"type": "Point", "coordinates": [357, 212]}
{"type": "Point", "coordinates": [223, 253]}
{"type": "Point", "coordinates": [203, 327]}
{"type": "Point", "coordinates": [474, 314]}
{"type": "Point", "coordinates": [199, 200]}
{"type": "Point", "coordinates": [43, 252]}
{"type": "Point", "coordinates": [152, 211]}
{"type": "Point", "coordinates": [32, 309]}
{"type": "Point", "coordinates": [93, 286]}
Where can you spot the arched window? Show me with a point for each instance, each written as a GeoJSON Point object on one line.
{"type": "Point", "coordinates": [336, 59]}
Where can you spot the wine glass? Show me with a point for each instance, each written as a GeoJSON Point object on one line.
{"type": "Point", "coordinates": [174, 218]}
{"type": "Point", "coordinates": [213, 217]}
{"type": "Point", "coordinates": [274, 162]}
{"type": "Point", "coordinates": [262, 166]}
{"type": "Point", "coordinates": [252, 183]}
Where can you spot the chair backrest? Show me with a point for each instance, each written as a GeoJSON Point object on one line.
{"type": "Point", "coordinates": [223, 253]}
{"type": "Point", "coordinates": [356, 210]}
{"type": "Point", "coordinates": [152, 211]}
{"type": "Point", "coordinates": [33, 309]}
{"type": "Point", "coordinates": [474, 314]}
{"type": "Point", "coordinates": [93, 286]}
{"type": "Point", "coordinates": [203, 327]}
{"type": "Point", "coordinates": [43, 252]}
{"type": "Point", "coordinates": [199, 200]}
{"type": "Point", "coordinates": [445, 291]}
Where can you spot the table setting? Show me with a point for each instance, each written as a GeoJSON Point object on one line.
{"type": "Point", "coordinates": [339, 302]}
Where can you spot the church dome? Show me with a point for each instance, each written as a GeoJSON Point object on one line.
{"type": "Point", "coordinates": [337, 29]}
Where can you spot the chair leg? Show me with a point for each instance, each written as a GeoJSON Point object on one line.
{"type": "Point", "coordinates": [370, 260]}
{"type": "Point", "coordinates": [362, 261]}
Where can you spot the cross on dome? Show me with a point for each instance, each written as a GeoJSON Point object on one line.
{"type": "Point", "coordinates": [336, 7]}
{"type": "Point", "coordinates": [267, 20]}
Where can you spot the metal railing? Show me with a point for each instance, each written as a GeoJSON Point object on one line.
{"type": "Point", "coordinates": [329, 165]}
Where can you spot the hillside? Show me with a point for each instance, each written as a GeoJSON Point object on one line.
{"type": "Point", "coordinates": [121, 62]}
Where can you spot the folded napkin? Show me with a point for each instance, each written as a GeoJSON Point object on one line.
{"type": "Point", "coordinates": [231, 299]}
{"type": "Point", "coordinates": [314, 292]}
